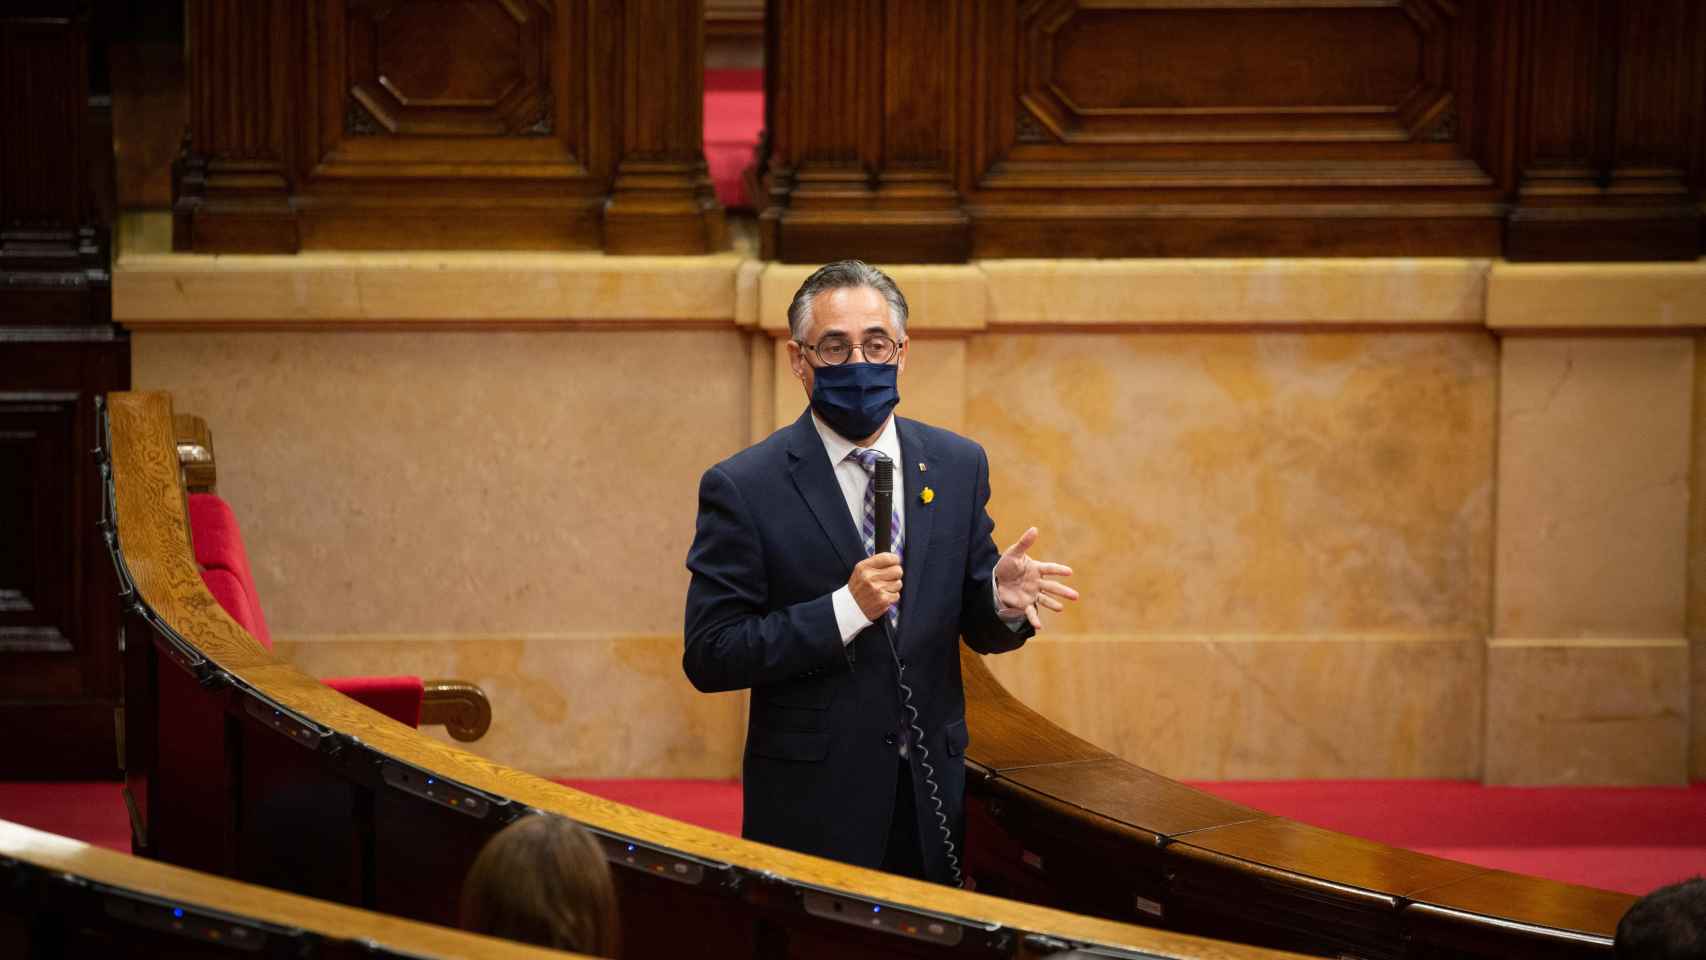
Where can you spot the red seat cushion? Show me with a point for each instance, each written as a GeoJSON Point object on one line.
{"type": "Point", "coordinates": [219, 546]}
{"type": "Point", "coordinates": [397, 697]}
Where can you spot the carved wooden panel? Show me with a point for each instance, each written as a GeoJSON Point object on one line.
{"type": "Point", "coordinates": [443, 67]}
{"type": "Point", "coordinates": [1371, 71]}
{"type": "Point", "coordinates": [443, 124]}
{"type": "Point", "coordinates": [1239, 127]}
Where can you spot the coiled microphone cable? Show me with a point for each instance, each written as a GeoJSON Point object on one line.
{"type": "Point", "coordinates": [882, 481]}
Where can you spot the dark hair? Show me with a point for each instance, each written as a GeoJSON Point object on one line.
{"type": "Point", "coordinates": [543, 880]}
{"type": "Point", "coordinates": [839, 275]}
{"type": "Point", "coordinates": [1667, 924]}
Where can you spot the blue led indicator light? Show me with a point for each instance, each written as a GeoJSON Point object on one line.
{"type": "Point", "coordinates": [177, 911]}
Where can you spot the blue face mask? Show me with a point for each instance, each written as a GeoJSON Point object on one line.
{"type": "Point", "coordinates": [855, 398]}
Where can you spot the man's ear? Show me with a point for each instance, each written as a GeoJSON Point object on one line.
{"type": "Point", "coordinates": [797, 360]}
{"type": "Point", "coordinates": [900, 360]}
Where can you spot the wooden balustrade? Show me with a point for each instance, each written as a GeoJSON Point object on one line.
{"type": "Point", "coordinates": [1536, 129]}
{"type": "Point", "coordinates": [65, 898]}
{"type": "Point", "coordinates": [239, 764]}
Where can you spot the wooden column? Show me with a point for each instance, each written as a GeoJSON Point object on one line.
{"type": "Point", "coordinates": [234, 179]}
{"type": "Point", "coordinates": [59, 661]}
{"type": "Point", "coordinates": [1610, 124]}
{"type": "Point", "coordinates": [864, 101]}
{"type": "Point", "coordinates": [662, 201]}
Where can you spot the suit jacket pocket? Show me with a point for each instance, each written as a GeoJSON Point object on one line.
{"type": "Point", "coordinates": [800, 693]}
{"type": "Point", "coordinates": [957, 736]}
{"type": "Point", "coordinates": [787, 744]}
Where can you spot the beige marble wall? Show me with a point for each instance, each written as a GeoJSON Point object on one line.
{"type": "Point", "coordinates": [1588, 667]}
{"type": "Point", "coordinates": [1252, 706]}
{"type": "Point", "coordinates": [512, 507]}
{"type": "Point", "coordinates": [1283, 542]}
{"type": "Point", "coordinates": [1286, 529]}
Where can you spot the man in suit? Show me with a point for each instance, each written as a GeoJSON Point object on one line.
{"type": "Point", "coordinates": [856, 736]}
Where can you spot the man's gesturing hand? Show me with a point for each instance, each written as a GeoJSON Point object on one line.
{"type": "Point", "coordinates": [1021, 583]}
{"type": "Point", "coordinates": [876, 584]}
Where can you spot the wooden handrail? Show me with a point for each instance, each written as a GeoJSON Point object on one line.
{"type": "Point", "coordinates": [322, 778]}
{"type": "Point", "coordinates": [1049, 803]}
{"type": "Point", "coordinates": [87, 887]}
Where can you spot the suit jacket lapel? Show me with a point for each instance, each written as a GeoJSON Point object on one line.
{"type": "Point", "coordinates": [815, 479]}
{"type": "Point", "coordinates": [920, 516]}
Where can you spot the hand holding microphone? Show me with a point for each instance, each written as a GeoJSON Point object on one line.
{"type": "Point", "coordinates": [876, 581]}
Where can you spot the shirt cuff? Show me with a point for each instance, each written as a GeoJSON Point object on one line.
{"type": "Point", "coordinates": [1014, 619]}
{"type": "Point", "coordinates": [849, 619]}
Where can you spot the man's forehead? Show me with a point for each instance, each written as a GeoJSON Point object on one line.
{"type": "Point", "coordinates": [851, 310]}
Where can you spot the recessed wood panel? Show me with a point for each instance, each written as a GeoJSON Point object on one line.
{"type": "Point", "coordinates": [36, 439]}
{"type": "Point", "coordinates": [1153, 70]}
{"type": "Point", "coordinates": [467, 67]}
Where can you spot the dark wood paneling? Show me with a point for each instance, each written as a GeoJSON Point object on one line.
{"type": "Point", "coordinates": [374, 124]}
{"type": "Point", "coordinates": [1180, 128]}
{"type": "Point", "coordinates": [662, 200]}
{"type": "Point", "coordinates": [59, 664]}
{"type": "Point", "coordinates": [1607, 120]}
{"type": "Point", "coordinates": [863, 131]}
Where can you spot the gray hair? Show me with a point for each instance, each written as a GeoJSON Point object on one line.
{"type": "Point", "coordinates": [840, 275]}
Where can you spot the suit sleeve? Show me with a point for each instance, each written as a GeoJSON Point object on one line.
{"type": "Point", "coordinates": [980, 624]}
{"type": "Point", "coordinates": [733, 640]}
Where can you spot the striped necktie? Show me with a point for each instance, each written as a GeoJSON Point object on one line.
{"type": "Point", "coordinates": [868, 530]}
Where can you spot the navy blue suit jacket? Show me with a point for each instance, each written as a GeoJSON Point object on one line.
{"type": "Point", "coordinates": [774, 540]}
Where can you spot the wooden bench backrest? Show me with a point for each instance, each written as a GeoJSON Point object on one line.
{"type": "Point", "coordinates": [66, 898]}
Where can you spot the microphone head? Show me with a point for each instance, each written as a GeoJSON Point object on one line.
{"type": "Point", "coordinates": [883, 476]}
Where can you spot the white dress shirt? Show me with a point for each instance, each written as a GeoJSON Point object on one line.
{"type": "Point", "coordinates": [853, 479]}
{"type": "Point", "coordinates": [849, 619]}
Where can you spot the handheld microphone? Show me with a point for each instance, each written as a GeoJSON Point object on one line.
{"type": "Point", "coordinates": [882, 504]}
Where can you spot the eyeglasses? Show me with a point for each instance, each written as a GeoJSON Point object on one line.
{"type": "Point", "coordinates": [836, 350]}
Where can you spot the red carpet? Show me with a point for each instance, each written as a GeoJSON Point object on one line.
{"type": "Point", "coordinates": [1620, 839]}
{"type": "Point", "coordinates": [734, 115]}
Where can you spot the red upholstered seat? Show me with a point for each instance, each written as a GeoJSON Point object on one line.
{"type": "Point", "coordinates": [734, 116]}
{"type": "Point", "coordinates": [397, 697]}
{"type": "Point", "coordinates": [219, 547]}
{"type": "Point", "coordinates": [225, 569]}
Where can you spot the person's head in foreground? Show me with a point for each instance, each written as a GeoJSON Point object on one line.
{"type": "Point", "coordinates": [1667, 924]}
{"type": "Point", "coordinates": [543, 880]}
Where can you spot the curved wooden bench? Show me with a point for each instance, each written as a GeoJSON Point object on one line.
{"type": "Point", "coordinates": [240, 764]}
{"type": "Point", "coordinates": [66, 898]}
{"type": "Point", "coordinates": [1055, 819]}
